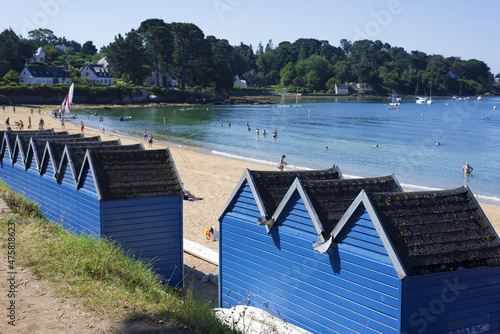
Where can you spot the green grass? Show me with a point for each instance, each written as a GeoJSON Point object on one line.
{"type": "Point", "coordinates": [103, 277]}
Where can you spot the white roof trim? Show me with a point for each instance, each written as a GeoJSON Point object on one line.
{"type": "Point", "coordinates": [297, 186]}
{"type": "Point", "coordinates": [248, 177]}
{"type": "Point", "coordinates": [362, 198]}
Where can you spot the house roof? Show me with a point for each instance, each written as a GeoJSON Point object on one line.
{"type": "Point", "coordinates": [332, 198]}
{"type": "Point", "coordinates": [273, 186]}
{"type": "Point", "coordinates": [341, 86]}
{"type": "Point", "coordinates": [48, 72]}
{"type": "Point", "coordinates": [437, 231]}
{"type": "Point", "coordinates": [135, 174]}
{"type": "Point", "coordinates": [100, 70]}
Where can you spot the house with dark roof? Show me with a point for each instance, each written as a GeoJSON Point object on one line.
{"type": "Point", "coordinates": [161, 78]}
{"type": "Point", "coordinates": [341, 89]}
{"type": "Point", "coordinates": [97, 72]}
{"type": "Point", "coordinates": [101, 188]}
{"type": "Point", "coordinates": [360, 255]}
{"type": "Point", "coordinates": [44, 75]}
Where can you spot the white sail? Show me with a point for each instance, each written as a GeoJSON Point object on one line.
{"type": "Point", "coordinates": [69, 99]}
{"type": "Point", "coordinates": [63, 106]}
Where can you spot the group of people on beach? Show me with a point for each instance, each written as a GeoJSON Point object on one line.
{"type": "Point", "coordinates": [148, 137]}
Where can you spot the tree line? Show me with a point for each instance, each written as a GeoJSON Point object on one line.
{"type": "Point", "coordinates": [308, 65]}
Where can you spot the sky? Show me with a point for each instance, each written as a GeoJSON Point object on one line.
{"type": "Point", "coordinates": [455, 28]}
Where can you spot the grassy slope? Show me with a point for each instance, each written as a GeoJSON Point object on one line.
{"type": "Point", "coordinates": [104, 278]}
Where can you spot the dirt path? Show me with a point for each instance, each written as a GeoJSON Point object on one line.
{"type": "Point", "coordinates": [38, 309]}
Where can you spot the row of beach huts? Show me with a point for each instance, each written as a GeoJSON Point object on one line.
{"type": "Point", "coordinates": [324, 253]}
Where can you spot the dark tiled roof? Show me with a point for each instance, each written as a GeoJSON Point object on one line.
{"type": "Point", "coordinates": [437, 231]}
{"type": "Point", "coordinates": [48, 72]}
{"type": "Point", "coordinates": [332, 198]}
{"type": "Point", "coordinates": [135, 174]}
{"type": "Point", "coordinates": [77, 152]}
{"type": "Point", "coordinates": [273, 186]}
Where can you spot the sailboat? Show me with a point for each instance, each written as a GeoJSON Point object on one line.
{"type": "Point", "coordinates": [297, 100]}
{"type": "Point", "coordinates": [67, 103]}
{"type": "Point", "coordinates": [429, 101]}
{"type": "Point", "coordinates": [395, 101]}
{"type": "Point", "coordinates": [419, 99]}
{"type": "Point", "coordinates": [282, 104]}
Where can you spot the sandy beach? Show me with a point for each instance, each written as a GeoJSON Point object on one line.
{"type": "Point", "coordinates": [211, 177]}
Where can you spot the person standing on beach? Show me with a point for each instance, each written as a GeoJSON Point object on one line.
{"type": "Point", "coordinates": [29, 122]}
{"type": "Point", "coordinates": [82, 126]}
{"type": "Point", "coordinates": [150, 139]}
{"type": "Point", "coordinates": [62, 122]}
{"type": "Point", "coordinates": [14, 109]}
{"type": "Point", "coordinates": [145, 134]}
{"type": "Point", "coordinates": [282, 163]}
{"type": "Point", "coordinates": [3, 107]}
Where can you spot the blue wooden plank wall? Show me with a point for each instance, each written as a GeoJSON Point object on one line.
{"type": "Point", "coordinates": [77, 211]}
{"type": "Point", "coordinates": [151, 228]}
{"type": "Point", "coordinates": [465, 301]}
{"type": "Point", "coordinates": [353, 288]}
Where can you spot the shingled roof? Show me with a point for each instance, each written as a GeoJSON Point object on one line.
{"type": "Point", "coordinates": [273, 186]}
{"type": "Point", "coordinates": [135, 174]}
{"type": "Point", "coordinates": [437, 231]}
{"type": "Point", "coordinates": [331, 198]}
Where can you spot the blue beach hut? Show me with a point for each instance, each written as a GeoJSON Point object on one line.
{"type": "Point", "coordinates": [123, 192]}
{"type": "Point", "coordinates": [360, 256]}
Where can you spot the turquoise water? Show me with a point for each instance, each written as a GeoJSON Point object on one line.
{"type": "Point", "coordinates": [350, 128]}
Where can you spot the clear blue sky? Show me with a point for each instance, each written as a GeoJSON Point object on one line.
{"type": "Point", "coordinates": [450, 28]}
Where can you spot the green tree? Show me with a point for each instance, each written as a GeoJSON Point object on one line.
{"type": "Point", "coordinates": [287, 74]}
{"type": "Point", "coordinates": [127, 56]}
{"type": "Point", "coordinates": [42, 37]}
{"type": "Point", "coordinates": [189, 42]}
{"type": "Point", "coordinates": [14, 51]}
{"type": "Point", "coordinates": [88, 48]}
{"type": "Point", "coordinates": [11, 76]}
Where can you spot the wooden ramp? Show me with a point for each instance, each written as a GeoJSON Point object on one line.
{"type": "Point", "coordinates": [201, 251]}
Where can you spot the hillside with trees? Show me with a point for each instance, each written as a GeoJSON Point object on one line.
{"type": "Point", "coordinates": [198, 61]}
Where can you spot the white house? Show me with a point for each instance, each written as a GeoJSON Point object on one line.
{"type": "Point", "coordinates": [164, 79]}
{"type": "Point", "coordinates": [240, 82]}
{"type": "Point", "coordinates": [44, 75]}
{"type": "Point", "coordinates": [39, 56]}
{"type": "Point", "coordinates": [341, 89]}
{"type": "Point", "coordinates": [97, 73]}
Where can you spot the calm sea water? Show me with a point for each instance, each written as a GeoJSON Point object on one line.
{"type": "Point", "coordinates": [350, 128]}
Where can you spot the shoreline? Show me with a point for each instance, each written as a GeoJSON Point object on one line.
{"type": "Point", "coordinates": [209, 174]}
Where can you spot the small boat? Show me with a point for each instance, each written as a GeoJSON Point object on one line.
{"type": "Point", "coordinates": [125, 118]}
{"type": "Point", "coordinates": [297, 100]}
{"type": "Point", "coordinates": [429, 101]}
{"type": "Point", "coordinates": [64, 110]}
{"type": "Point", "coordinates": [419, 99]}
{"type": "Point", "coordinates": [282, 104]}
{"type": "Point", "coordinates": [394, 105]}
{"type": "Point", "coordinates": [107, 108]}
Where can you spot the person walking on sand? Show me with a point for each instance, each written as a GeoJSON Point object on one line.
{"type": "Point", "coordinates": [82, 126]}
{"type": "Point", "coordinates": [29, 122]}
{"type": "Point", "coordinates": [467, 169]}
{"type": "Point", "coordinates": [282, 163]}
{"type": "Point", "coordinates": [145, 134]}
{"type": "Point", "coordinates": [62, 122]}
{"type": "Point", "coordinates": [150, 139]}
